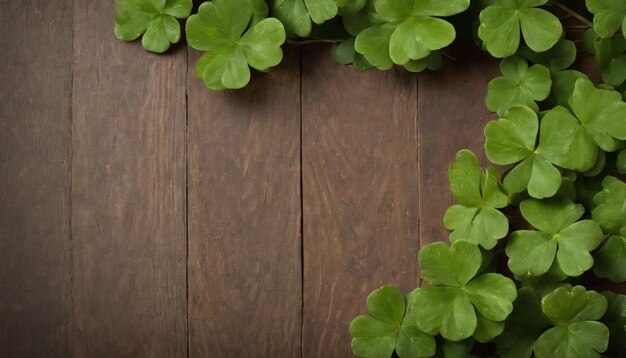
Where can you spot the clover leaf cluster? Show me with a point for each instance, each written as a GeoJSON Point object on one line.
{"type": "Point", "coordinates": [531, 238]}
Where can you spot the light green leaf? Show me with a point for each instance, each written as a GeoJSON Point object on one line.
{"type": "Point", "coordinates": [577, 333]}
{"type": "Point", "coordinates": [563, 83]}
{"type": "Point", "coordinates": [519, 86]}
{"type": "Point", "coordinates": [294, 16]}
{"type": "Point", "coordinates": [610, 15]}
{"type": "Point", "coordinates": [388, 329]}
{"type": "Point", "coordinates": [431, 62]}
{"type": "Point", "coordinates": [532, 253]}
{"type": "Point", "coordinates": [451, 307]}
{"type": "Point", "coordinates": [155, 20]}
{"type": "Point", "coordinates": [487, 330]}
{"type": "Point", "coordinates": [502, 22]}
{"type": "Point", "coordinates": [403, 31]}
{"type": "Point", "coordinates": [219, 28]}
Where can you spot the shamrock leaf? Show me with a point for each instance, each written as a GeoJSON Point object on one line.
{"type": "Point", "coordinates": [610, 211]}
{"type": "Point", "coordinates": [458, 300]}
{"type": "Point", "coordinates": [560, 236]}
{"type": "Point", "coordinates": [221, 29]}
{"type": "Point", "coordinates": [476, 219]}
{"type": "Point", "coordinates": [363, 19]}
{"type": "Point", "coordinates": [563, 83]}
{"type": "Point", "coordinates": [501, 22]}
{"type": "Point", "coordinates": [558, 58]}
{"type": "Point", "coordinates": [576, 333]}
{"type": "Point", "coordinates": [156, 20]}
{"type": "Point", "coordinates": [520, 85]}
{"type": "Point", "coordinates": [345, 54]}
{"type": "Point", "coordinates": [523, 327]}
{"type": "Point", "coordinates": [601, 112]}
{"type": "Point", "coordinates": [511, 140]}
{"type": "Point", "coordinates": [350, 6]}
{"type": "Point", "coordinates": [409, 30]}
{"type": "Point", "coordinates": [388, 330]}
{"type": "Point", "coordinates": [609, 16]}
{"type": "Point", "coordinates": [615, 320]}
{"type": "Point", "coordinates": [296, 15]}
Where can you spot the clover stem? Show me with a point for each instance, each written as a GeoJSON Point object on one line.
{"type": "Point", "coordinates": [311, 41]}
{"type": "Point", "coordinates": [572, 13]}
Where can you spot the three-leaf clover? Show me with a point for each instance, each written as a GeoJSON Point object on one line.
{"type": "Point", "coordinates": [500, 26]}
{"type": "Point", "coordinates": [387, 329]}
{"type": "Point", "coordinates": [221, 30]}
{"type": "Point", "coordinates": [410, 30]}
{"type": "Point", "coordinates": [560, 239]}
{"type": "Point", "coordinates": [610, 213]}
{"type": "Point", "coordinates": [459, 301]}
{"type": "Point", "coordinates": [609, 16]}
{"type": "Point", "coordinates": [520, 85]}
{"type": "Point", "coordinates": [476, 219]}
{"type": "Point", "coordinates": [156, 20]}
{"type": "Point", "coordinates": [297, 15]}
{"type": "Point", "coordinates": [577, 333]}
{"type": "Point", "coordinates": [512, 139]}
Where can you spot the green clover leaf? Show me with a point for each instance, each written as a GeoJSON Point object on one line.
{"type": "Point", "coordinates": [156, 20]}
{"type": "Point", "coordinates": [409, 30]}
{"type": "Point", "coordinates": [577, 332]}
{"type": "Point", "coordinates": [615, 320]}
{"type": "Point", "coordinates": [345, 54]}
{"type": "Point", "coordinates": [350, 6]}
{"type": "Point", "coordinates": [458, 300]}
{"type": "Point", "coordinates": [621, 162]}
{"type": "Point", "coordinates": [452, 349]}
{"type": "Point", "coordinates": [511, 140]}
{"type": "Point", "coordinates": [387, 329]}
{"type": "Point", "coordinates": [520, 85]}
{"type": "Point", "coordinates": [221, 30]}
{"type": "Point", "coordinates": [523, 327]}
{"type": "Point", "coordinates": [610, 210]}
{"type": "Point", "coordinates": [610, 56]}
{"type": "Point", "coordinates": [563, 83]}
{"type": "Point", "coordinates": [601, 112]}
{"type": "Point", "coordinates": [500, 26]}
{"type": "Point", "coordinates": [559, 237]}
{"type": "Point", "coordinates": [609, 16]}
{"type": "Point", "coordinates": [476, 219]}
{"type": "Point", "coordinates": [296, 15]}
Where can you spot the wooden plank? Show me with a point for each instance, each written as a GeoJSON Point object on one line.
{"type": "Point", "coordinates": [128, 193]}
{"type": "Point", "coordinates": [451, 116]}
{"type": "Point", "coordinates": [244, 216]}
{"type": "Point", "coordinates": [360, 193]}
{"type": "Point", "coordinates": [34, 177]}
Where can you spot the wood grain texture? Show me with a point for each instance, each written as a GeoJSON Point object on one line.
{"type": "Point", "coordinates": [128, 193]}
{"type": "Point", "coordinates": [244, 216]}
{"type": "Point", "coordinates": [35, 74]}
{"type": "Point", "coordinates": [360, 194]}
{"type": "Point", "coordinates": [451, 116]}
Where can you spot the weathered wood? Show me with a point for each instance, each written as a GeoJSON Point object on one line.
{"type": "Point", "coordinates": [244, 216]}
{"type": "Point", "coordinates": [128, 193]}
{"type": "Point", "coordinates": [35, 101]}
{"type": "Point", "coordinates": [451, 116]}
{"type": "Point", "coordinates": [360, 193]}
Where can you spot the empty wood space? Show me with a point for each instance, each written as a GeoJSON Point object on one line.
{"type": "Point", "coordinates": [142, 215]}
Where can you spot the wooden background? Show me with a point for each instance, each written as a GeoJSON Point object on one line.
{"type": "Point", "coordinates": [143, 216]}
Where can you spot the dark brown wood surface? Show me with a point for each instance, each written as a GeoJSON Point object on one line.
{"type": "Point", "coordinates": [35, 86]}
{"type": "Point", "coordinates": [128, 194]}
{"type": "Point", "coordinates": [245, 275]}
{"type": "Point", "coordinates": [359, 155]}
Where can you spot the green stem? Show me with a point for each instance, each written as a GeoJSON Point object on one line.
{"type": "Point", "coordinates": [572, 13]}
{"type": "Point", "coordinates": [311, 41]}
